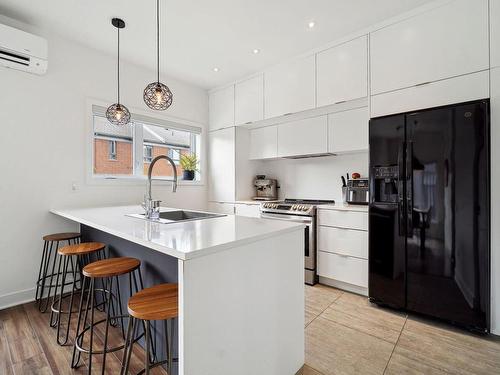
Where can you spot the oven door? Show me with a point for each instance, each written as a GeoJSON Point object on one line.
{"type": "Point", "coordinates": [309, 241]}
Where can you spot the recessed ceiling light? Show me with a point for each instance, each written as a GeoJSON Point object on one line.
{"type": "Point", "coordinates": [256, 51]}
{"type": "Point", "coordinates": [311, 24]}
{"type": "Point", "coordinates": [216, 69]}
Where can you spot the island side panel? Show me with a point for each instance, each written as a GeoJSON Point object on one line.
{"type": "Point", "coordinates": [156, 268]}
{"type": "Point", "coordinates": [242, 310]}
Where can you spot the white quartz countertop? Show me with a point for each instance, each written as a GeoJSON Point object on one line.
{"type": "Point", "coordinates": [344, 207]}
{"type": "Point", "coordinates": [183, 240]}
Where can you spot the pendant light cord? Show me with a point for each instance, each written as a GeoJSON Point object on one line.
{"type": "Point", "coordinates": [118, 63]}
{"type": "Point", "coordinates": [158, 39]}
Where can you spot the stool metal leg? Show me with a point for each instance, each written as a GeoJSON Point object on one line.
{"type": "Point", "coordinates": [42, 267]}
{"type": "Point", "coordinates": [75, 359]}
{"type": "Point", "coordinates": [108, 312]}
{"type": "Point", "coordinates": [51, 253]}
{"type": "Point", "coordinates": [92, 280]}
{"type": "Point", "coordinates": [170, 338]}
{"type": "Point", "coordinates": [148, 332]}
{"type": "Point", "coordinates": [71, 299]}
{"type": "Point", "coordinates": [132, 326]}
{"type": "Point", "coordinates": [128, 338]}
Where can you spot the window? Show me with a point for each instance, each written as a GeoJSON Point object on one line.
{"type": "Point", "coordinates": [175, 155]}
{"type": "Point", "coordinates": [112, 150]}
{"type": "Point", "coordinates": [127, 151]}
{"type": "Point", "coordinates": [148, 154]}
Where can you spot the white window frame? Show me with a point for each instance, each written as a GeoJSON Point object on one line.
{"type": "Point", "coordinates": [137, 178]}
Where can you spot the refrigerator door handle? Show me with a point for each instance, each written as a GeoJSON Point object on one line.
{"type": "Point", "coordinates": [409, 188]}
{"type": "Point", "coordinates": [401, 178]}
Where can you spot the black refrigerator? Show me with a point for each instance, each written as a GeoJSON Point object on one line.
{"type": "Point", "coordinates": [429, 213]}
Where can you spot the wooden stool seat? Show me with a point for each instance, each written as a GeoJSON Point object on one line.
{"type": "Point", "coordinates": [82, 248]}
{"type": "Point", "coordinates": [159, 302]}
{"type": "Point", "coordinates": [61, 236]}
{"type": "Point", "coordinates": [111, 267]}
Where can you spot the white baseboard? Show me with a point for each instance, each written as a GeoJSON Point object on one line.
{"type": "Point", "coordinates": [344, 286]}
{"type": "Point", "coordinates": [17, 298]}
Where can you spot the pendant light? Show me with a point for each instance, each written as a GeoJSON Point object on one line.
{"type": "Point", "coordinates": [157, 95]}
{"type": "Point", "coordinates": [117, 113]}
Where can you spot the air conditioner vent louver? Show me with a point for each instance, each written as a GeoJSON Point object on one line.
{"type": "Point", "coordinates": [14, 58]}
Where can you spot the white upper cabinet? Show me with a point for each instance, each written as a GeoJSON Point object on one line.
{"type": "Point", "coordinates": [249, 100]}
{"type": "Point", "coordinates": [495, 32]}
{"type": "Point", "coordinates": [444, 42]}
{"type": "Point", "coordinates": [264, 142]}
{"type": "Point", "coordinates": [303, 137]}
{"type": "Point", "coordinates": [221, 108]}
{"type": "Point", "coordinates": [342, 72]}
{"type": "Point", "coordinates": [348, 131]}
{"type": "Point", "coordinates": [290, 87]}
{"type": "Point", "coordinates": [221, 166]}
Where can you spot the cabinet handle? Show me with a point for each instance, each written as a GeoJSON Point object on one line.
{"type": "Point", "coordinates": [340, 102]}
{"type": "Point", "coordinates": [287, 114]}
{"type": "Point", "coordinates": [248, 122]}
{"type": "Point", "coordinates": [423, 83]}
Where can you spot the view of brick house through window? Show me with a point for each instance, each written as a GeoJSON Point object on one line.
{"type": "Point", "coordinates": [115, 148]}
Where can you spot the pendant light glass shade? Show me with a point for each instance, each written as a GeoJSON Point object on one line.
{"type": "Point", "coordinates": [157, 95]}
{"type": "Point", "coordinates": [117, 113]}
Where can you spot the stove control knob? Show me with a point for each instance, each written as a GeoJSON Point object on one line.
{"type": "Point", "coordinates": [294, 207]}
{"type": "Point", "coordinates": [305, 208]}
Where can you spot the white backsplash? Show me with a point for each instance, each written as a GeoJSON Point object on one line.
{"type": "Point", "coordinates": [314, 178]}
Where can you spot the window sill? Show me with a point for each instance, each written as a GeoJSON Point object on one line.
{"type": "Point", "coordinates": [137, 181]}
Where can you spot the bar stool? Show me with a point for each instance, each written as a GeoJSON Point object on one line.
{"type": "Point", "coordinates": [82, 254]}
{"type": "Point", "coordinates": [159, 302]}
{"type": "Point", "coordinates": [108, 271]}
{"type": "Point", "coordinates": [49, 255]}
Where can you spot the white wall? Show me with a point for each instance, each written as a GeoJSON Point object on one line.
{"type": "Point", "coordinates": [314, 178]}
{"type": "Point", "coordinates": [43, 151]}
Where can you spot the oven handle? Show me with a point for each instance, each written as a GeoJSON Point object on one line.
{"type": "Point", "coordinates": [297, 219]}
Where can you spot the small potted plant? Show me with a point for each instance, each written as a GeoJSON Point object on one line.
{"type": "Point", "coordinates": [189, 165]}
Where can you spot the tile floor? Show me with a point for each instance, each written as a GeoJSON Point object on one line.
{"type": "Point", "coordinates": [345, 334]}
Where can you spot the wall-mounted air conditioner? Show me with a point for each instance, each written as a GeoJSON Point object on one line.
{"type": "Point", "coordinates": [22, 51]}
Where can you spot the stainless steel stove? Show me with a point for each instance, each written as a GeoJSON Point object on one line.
{"type": "Point", "coordinates": [300, 211]}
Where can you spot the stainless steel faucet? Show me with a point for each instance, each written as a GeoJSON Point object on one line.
{"type": "Point", "coordinates": [152, 206]}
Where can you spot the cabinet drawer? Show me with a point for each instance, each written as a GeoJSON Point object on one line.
{"type": "Point", "coordinates": [343, 241]}
{"type": "Point", "coordinates": [343, 268]}
{"type": "Point", "coordinates": [343, 219]}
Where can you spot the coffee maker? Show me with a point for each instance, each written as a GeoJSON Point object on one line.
{"type": "Point", "coordinates": [266, 189]}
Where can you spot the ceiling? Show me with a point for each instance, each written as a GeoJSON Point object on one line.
{"type": "Point", "coordinates": [198, 35]}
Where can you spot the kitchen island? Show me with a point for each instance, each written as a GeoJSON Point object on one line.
{"type": "Point", "coordinates": [241, 284]}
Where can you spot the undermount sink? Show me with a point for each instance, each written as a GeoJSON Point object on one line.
{"type": "Point", "coordinates": [177, 216]}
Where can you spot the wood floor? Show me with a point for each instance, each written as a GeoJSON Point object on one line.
{"type": "Point", "coordinates": [344, 335]}
{"type": "Point", "coordinates": [28, 346]}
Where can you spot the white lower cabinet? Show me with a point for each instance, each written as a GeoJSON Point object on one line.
{"type": "Point", "coordinates": [343, 241]}
{"type": "Point", "coordinates": [343, 219]}
{"type": "Point", "coordinates": [343, 268]}
{"type": "Point", "coordinates": [221, 208]}
{"type": "Point", "coordinates": [343, 249]}
{"type": "Point", "coordinates": [244, 209]}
